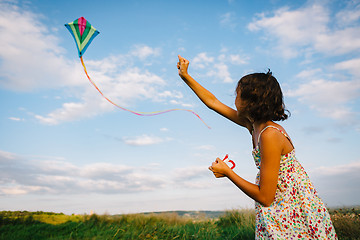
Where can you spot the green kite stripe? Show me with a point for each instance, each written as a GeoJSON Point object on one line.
{"type": "Point", "coordinates": [88, 37]}
{"type": "Point", "coordinates": [76, 35]}
{"type": "Point", "coordinates": [86, 31]}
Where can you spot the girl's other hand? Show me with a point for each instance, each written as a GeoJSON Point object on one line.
{"type": "Point", "coordinates": [182, 65]}
{"type": "Point", "coordinates": [219, 168]}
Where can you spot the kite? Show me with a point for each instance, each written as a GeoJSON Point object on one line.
{"type": "Point", "coordinates": [83, 34]}
{"type": "Point", "coordinates": [226, 159]}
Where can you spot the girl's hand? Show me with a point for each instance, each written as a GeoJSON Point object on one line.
{"type": "Point", "coordinates": [219, 168]}
{"type": "Point", "coordinates": [182, 65]}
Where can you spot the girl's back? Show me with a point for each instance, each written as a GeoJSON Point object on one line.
{"type": "Point", "coordinates": [297, 211]}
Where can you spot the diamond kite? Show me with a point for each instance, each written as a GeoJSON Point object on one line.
{"type": "Point", "coordinates": [83, 33]}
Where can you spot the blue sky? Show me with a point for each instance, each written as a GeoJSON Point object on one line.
{"type": "Point", "coordinates": [63, 148]}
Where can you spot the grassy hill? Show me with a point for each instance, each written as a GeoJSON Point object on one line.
{"type": "Point", "coordinates": [236, 224]}
{"type": "Point", "coordinates": [197, 215]}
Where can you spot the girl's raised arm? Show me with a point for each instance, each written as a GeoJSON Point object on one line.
{"type": "Point", "coordinates": [208, 98]}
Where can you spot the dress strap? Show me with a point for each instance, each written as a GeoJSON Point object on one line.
{"type": "Point", "coordinates": [277, 129]}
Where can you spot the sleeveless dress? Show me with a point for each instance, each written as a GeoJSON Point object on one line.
{"type": "Point", "coordinates": [297, 211]}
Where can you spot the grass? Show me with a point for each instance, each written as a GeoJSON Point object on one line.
{"type": "Point", "coordinates": [346, 222]}
{"type": "Point", "coordinates": [23, 225]}
{"type": "Point", "coordinates": [236, 224]}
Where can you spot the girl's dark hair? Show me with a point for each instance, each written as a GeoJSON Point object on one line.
{"type": "Point", "coordinates": [263, 97]}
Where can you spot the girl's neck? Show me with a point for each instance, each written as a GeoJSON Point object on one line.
{"type": "Point", "coordinates": [258, 126]}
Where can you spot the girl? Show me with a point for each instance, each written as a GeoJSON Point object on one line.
{"type": "Point", "coordinates": [286, 204]}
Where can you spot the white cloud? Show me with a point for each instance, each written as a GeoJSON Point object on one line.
{"type": "Point", "coordinates": [339, 42]}
{"type": "Point", "coordinates": [338, 185]}
{"type": "Point", "coordinates": [69, 112]}
{"type": "Point", "coordinates": [350, 15]}
{"type": "Point", "coordinates": [218, 67]}
{"type": "Point", "coordinates": [293, 26]}
{"type": "Point", "coordinates": [181, 103]}
{"type": "Point", "coordinates": [195, 177]}
{"type": "Point", "coordinates": [190, 173]}
{"type": "Point", "coordinates": [351, 65]}
{"type": "Point", "coordinates": [206, 147]}
{"type": "Point", "coordinates": [30, 55]}
{"type": "Point", "coordinates": [228, 20]}
{"type": "Point", "coordinates": [202, 60]}
{"type": "Point", "coordinates": [143, 51]}
{"type": "Point", "coordinates": [16, 119]}
{"type": "Point", "coordinates": [101, 170]}
{"type": "Point", "coordinates": [308, 73]}
{"type": "Point", "coordinates": [172, 94]}
{"type": "Point", "coordinates": [350, 168]}
{"type": "Point", "coordinates": [143, 140]}
{"type": "Point", "coordinates": [238, 60]}
{"type": "Point", "coordinates": [308, 29]}
{"type": "Point", "coordinates": [330, 98]}
{"type": "Point", "coordinates": [222, 72]}
{"type": "Point", "coordinates": [52, 176]}
{"type": "Point", "coordinates": [6, 156]}
{"type": "Point", "coordinates": [22, 175]}
{"type": "Point", "coordinates": [20, 190]}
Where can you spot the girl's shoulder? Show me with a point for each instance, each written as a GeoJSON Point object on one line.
{"type": "Point", "coordinates": [275, 132]}
{"type": "Point", "coordinates": [276, 128]}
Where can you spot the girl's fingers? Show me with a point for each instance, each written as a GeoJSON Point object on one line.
{"type": "Point", "coordinates": [219, 175]}
{"type": "Point", "coordinates": [217, 167]}
{"type": "Point", "coordinates": [213, 164]}
{"type": "Point", "coordinates": [182, 60]}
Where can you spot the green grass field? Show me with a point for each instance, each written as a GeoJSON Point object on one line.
{"type": "Point", "coordinates": [236, 224]}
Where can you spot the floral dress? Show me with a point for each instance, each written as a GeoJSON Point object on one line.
{"type": "Point", "coordinates": [297, 211]}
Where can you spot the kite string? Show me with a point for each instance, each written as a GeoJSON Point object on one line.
{"type": "Point", "coordinates": [138, 113]}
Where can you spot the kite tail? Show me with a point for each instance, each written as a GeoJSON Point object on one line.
{"type": "Point", "coordinates": [138, 113]}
